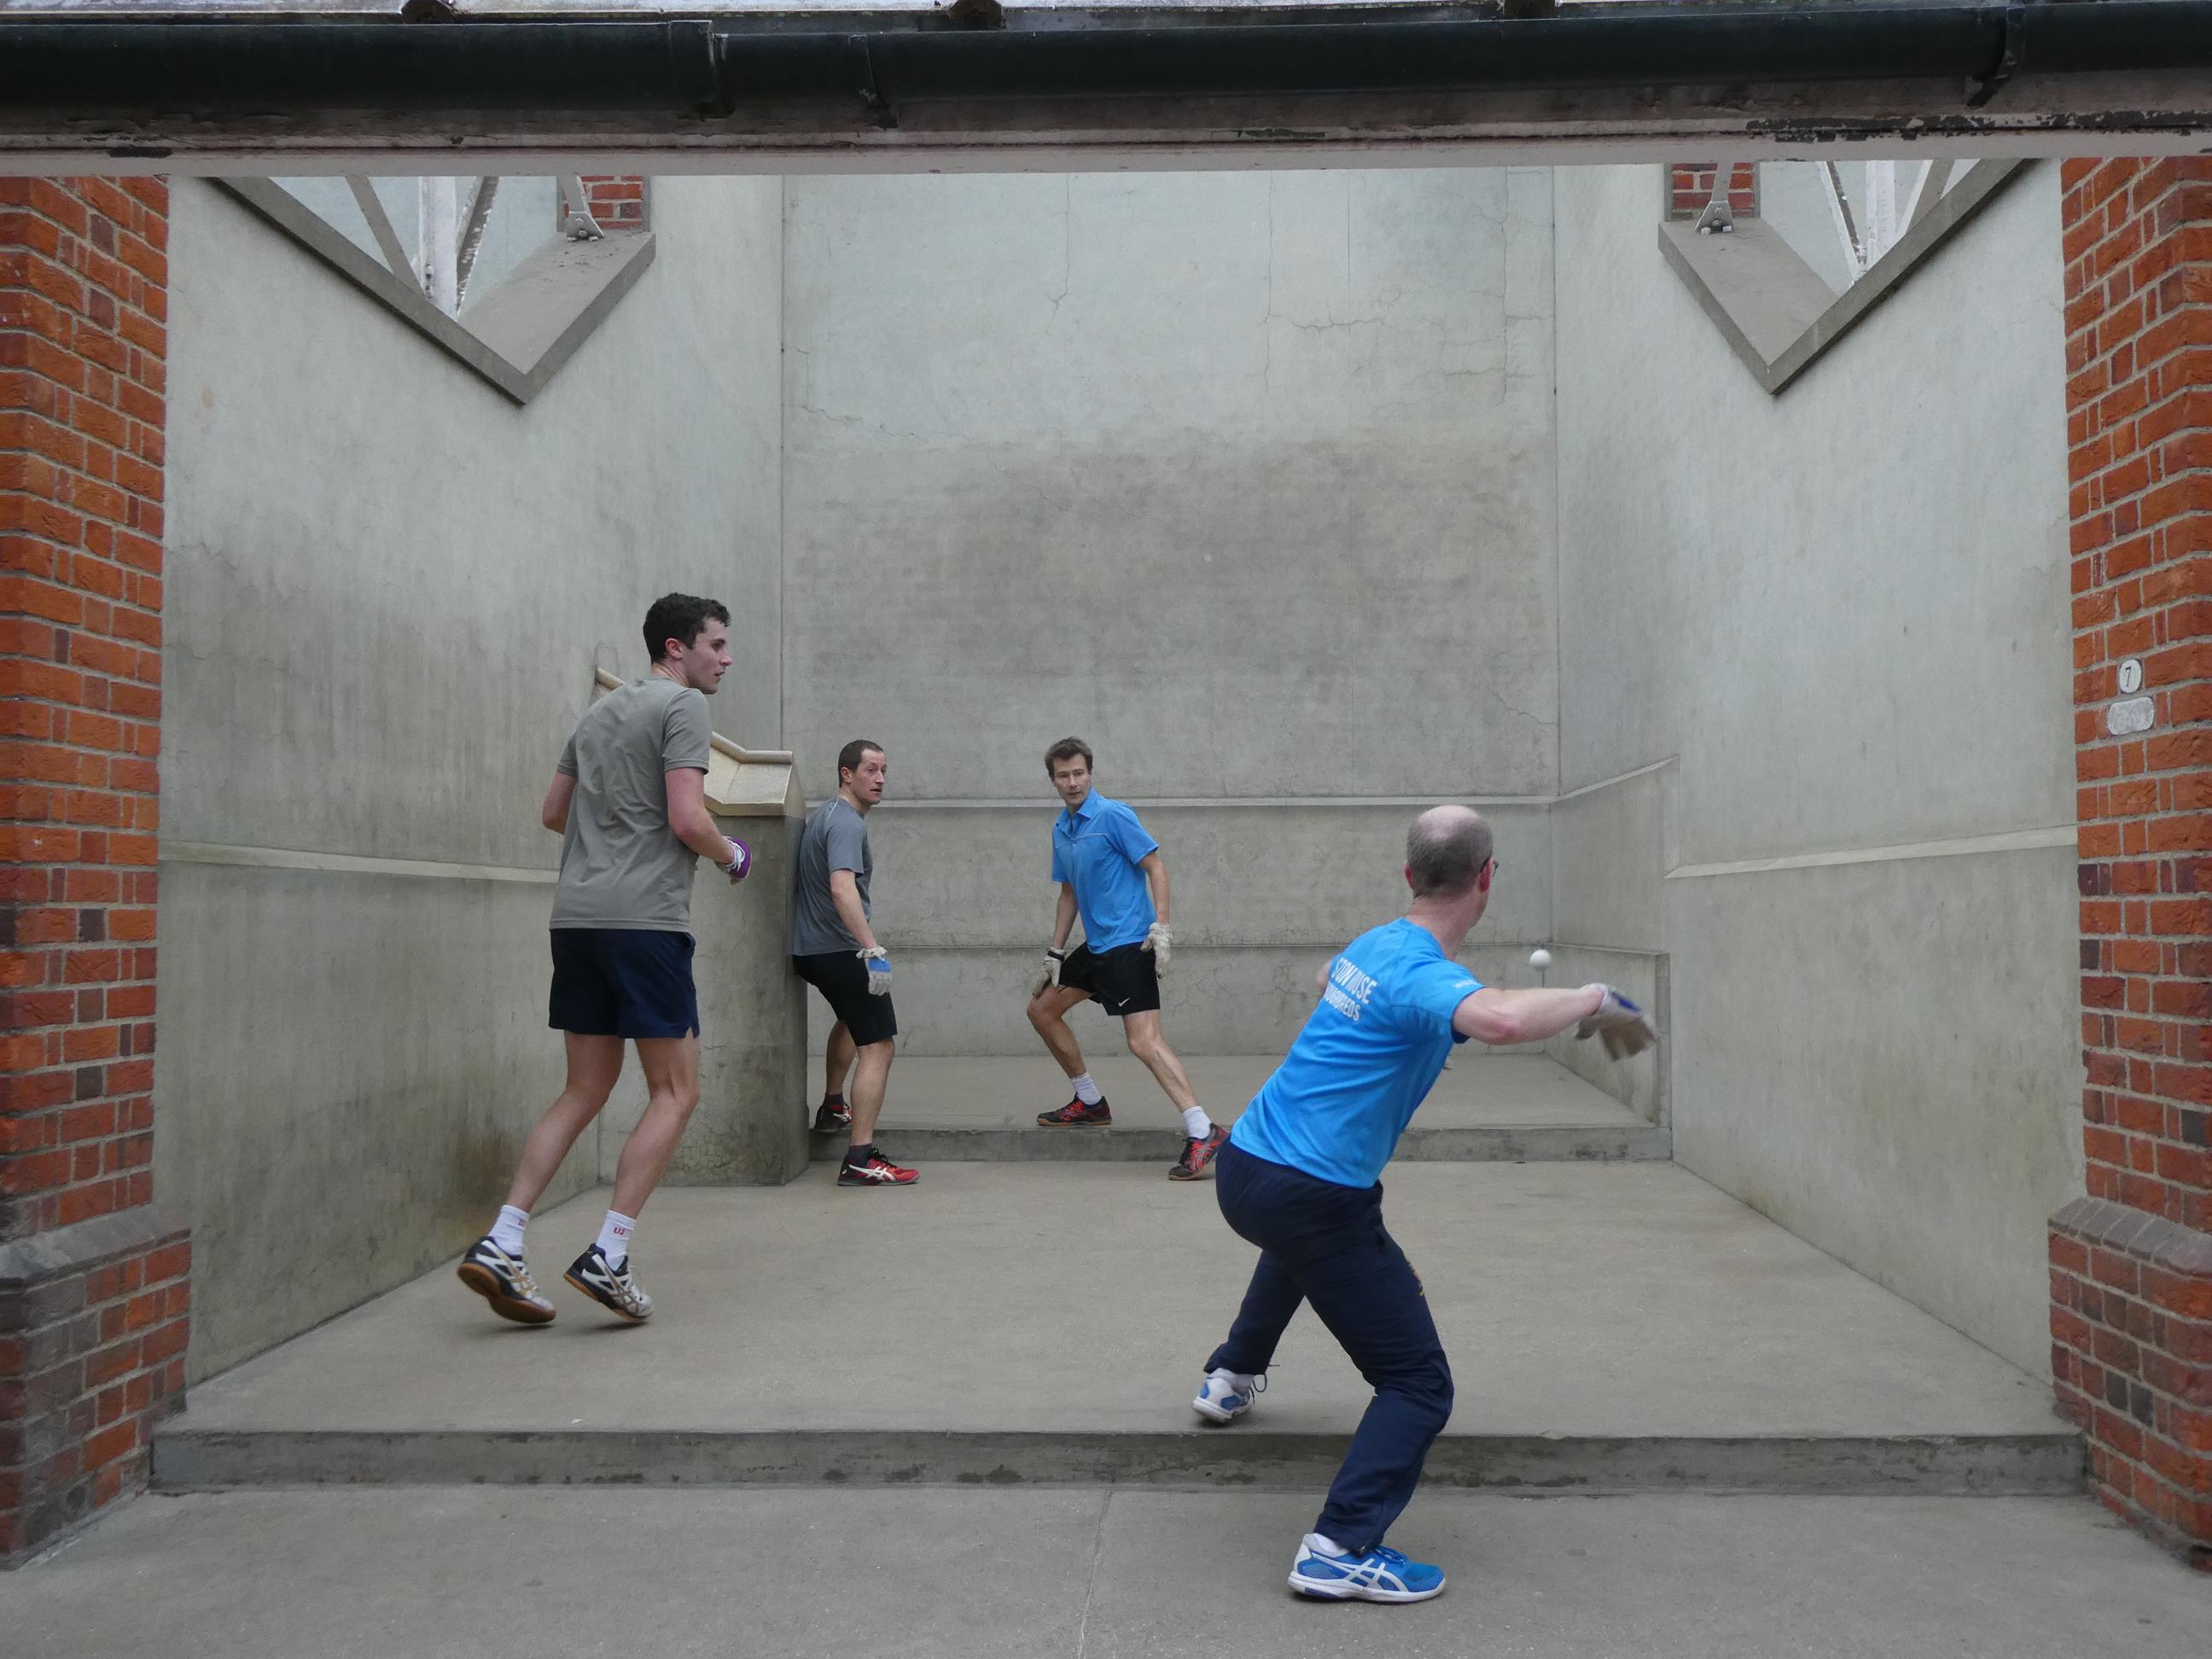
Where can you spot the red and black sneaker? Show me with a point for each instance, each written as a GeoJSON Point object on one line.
{"type": "Point", "coordinates": [875, 1171]}
{"type": "Point", "coordinates": [1198, 1155]}
{"type": "Point", "coordinates": [833, 1119]}
{"type": "Point", "coordinates": [1076, 1115]}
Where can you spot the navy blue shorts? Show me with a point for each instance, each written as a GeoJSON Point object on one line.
{"type": "Point", "coordinates": [623, 982]}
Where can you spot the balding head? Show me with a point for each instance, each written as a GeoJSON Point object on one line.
{"type": "Point", "coordinates": [1446, 850]}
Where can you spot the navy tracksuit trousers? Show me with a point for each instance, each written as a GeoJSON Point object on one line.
{"type": "Point", "coordinates": [1325, 1244]}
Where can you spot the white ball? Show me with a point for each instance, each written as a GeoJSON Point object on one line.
{"type": "Point", "coordinates": [1540, 960]}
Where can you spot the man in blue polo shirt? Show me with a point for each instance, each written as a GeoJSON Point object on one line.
{"type": "Point", "coordinates": [1300, 1178]}
{"type": "Point", "coordinates": [1110, 873]}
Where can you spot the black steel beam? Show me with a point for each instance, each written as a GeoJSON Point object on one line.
{"type": "Point", "coordinates": [244, 66]}
{"type": "Point", "coordinates": [1791, 72]}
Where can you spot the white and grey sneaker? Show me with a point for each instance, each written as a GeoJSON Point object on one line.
{"type": "Point", "coordinates": [610, 1285]}
{"type": "Point", "coordinates": [1227, 1395]}
{"type": "Point", "coordinates": [503, 1281]}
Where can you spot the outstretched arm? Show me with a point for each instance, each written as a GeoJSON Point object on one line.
{"type": "Point", "coordinates": [1492, 1015]}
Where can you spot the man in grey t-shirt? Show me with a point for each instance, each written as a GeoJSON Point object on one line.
{"type": "Point", "coordinates": [834, 949]}
{"type": "Point", "coordinates": [629, 800]}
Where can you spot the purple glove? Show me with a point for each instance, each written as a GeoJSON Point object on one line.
{"type": "Point", "coordinates": [741, 861]}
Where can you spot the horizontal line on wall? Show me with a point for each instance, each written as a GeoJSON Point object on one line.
{"type": "Point", "coordinates": [2012, 840]}
{"type": "Point", "coordinates": [963, 803]}
{"type": "Point", "coordinates": [288, 858]}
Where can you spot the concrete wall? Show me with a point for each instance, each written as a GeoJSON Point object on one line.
{"type": "Point", "coordinates": [1841, 615]}
{"type": "Point", "coordinates": [1246, 478]}
{"type": "Point", "coordinates": [386, 586]}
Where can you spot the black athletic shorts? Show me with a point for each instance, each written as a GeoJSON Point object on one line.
{"type": "Point", "coordinates": [842, 979]}
{"type": "Point", "coordinates": [623, 982]}
{"type": "Point", "coordinates": [1122, 981]}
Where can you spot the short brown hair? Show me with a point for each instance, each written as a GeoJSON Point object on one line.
{"type": "Point", "coordinates": [850, 756]}
{"type": "Point", "coordinates": [1066, 750]}
{"type": "Point", "coordinates": [1446, 850]}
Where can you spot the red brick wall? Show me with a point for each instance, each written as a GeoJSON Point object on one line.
{"type": "Point", "coordinates": [617, 202]}
{"type": "Point", "coordinates": [89, 1355]}
{"type": "Point", "coordinates": [1690, 186]}
{"type": "Point", "coordinates": [2132, 1265]}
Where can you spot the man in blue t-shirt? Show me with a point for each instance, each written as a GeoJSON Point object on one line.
{"type": "Point", "coordinates": [1300, 1179]}
{"type": "Point", "coordinates": [1110, 873]}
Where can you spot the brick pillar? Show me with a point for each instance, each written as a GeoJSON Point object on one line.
{"type": "Point", "coordinates": [618, 202]}
{"type": "Point", "coordinates": [1690, 186]}
{"type": "Point", "coordinates": [93, 1280]}
{"type": "Point", "coordinates": [2131, 1263]}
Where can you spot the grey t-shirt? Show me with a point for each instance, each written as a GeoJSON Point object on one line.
{"type": "Point", "coordinates": [836, 838]}
{"type": "Point", "coordinates": [621, 865]}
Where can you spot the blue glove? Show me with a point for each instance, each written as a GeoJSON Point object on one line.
{"type": "Point", "coordinates": [879, 962]}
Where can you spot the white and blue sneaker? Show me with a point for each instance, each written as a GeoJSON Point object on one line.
{"type": "Point", "coordinates": [1227, 1395]}
{"type": "Point", "coordinates": [610, 1284]}
{"type": "Point", "coordinates": [1381, 1575]}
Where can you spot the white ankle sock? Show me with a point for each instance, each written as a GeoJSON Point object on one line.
{"type": "Point", "coordinates": [506, 1231]}
{"type": "Point", "coordinates": [1195, 1123]}
{"type": "Point", "coordinates": [1323, 1545]}
{"type": "Point", "coordinates": [1238, 1380]}
{"type": "Point", "coordinates": [614, 1237]}
{"type": "Point", "coordinates": [1087, 1091]}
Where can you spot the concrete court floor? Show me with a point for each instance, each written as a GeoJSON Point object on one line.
{"type": "Point", "coordinates": [989, 1091]}
{"type": "Point", "coordinates": [1576, 1299]}
{"type": "Point", "coordinates": [508, 1573]}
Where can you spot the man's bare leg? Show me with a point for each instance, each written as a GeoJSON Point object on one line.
{"type": "Point", "coordinates": [1047, 1017]}
{"type": "Point", "coordinates": [594, 1068]}
{"type": "Point", "coordinates": [837, 1060]}
{"type": "Point", "coordinates": [1143, 1031]}
{"type": "Point", "coordinates": [1203, 1138]}
{"type": "Point", "coordinates": [671, 1081]}
{"type": "Point", "coordinates": [870, 1072]}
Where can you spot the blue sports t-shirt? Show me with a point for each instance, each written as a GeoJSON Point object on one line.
{"type": "Point", "coordinates": [1365, 1061]}
{"type": "Point", "coordinates": [1097, 848]}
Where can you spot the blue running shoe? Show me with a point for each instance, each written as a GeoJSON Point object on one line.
{"type": "Point", "coordinates": [1225, 1396]}
{"type": "Point", "coordinates": [1381, 1575]}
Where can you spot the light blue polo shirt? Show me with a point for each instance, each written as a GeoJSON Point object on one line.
{"type": "Point", "coordinates": [1097, 848]}
{"type": "Point", "coordinates": [1365, 1061]}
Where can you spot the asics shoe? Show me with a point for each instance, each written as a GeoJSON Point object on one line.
{"type": "Point", "coordinates": [610, 1285]}
{"type": "Point", "coordinates": [1225, 1396]}
{"type": "Point", "coordinates": [877, 1171]}
{"type": "Point", "coordinates": [503, 1281]}
{"type": "Point", "coordinates": [1198, 1155]}
{"type": "Point", "coordinates": [1076, 1116]}
{"type": "Point", "coordinates": [832, 1119]}
{"type": "Point", "coordinates": [1381, 1575]}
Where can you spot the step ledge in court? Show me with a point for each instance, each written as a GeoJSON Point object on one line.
{"type": "Point", "coordinates": [1541, 1143]}
{"type": "Point", "coordinates": [2008, 1464]}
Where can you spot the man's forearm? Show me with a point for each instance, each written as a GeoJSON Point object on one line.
{"type": "Point", "coordinates": [1544, 1013]}
{"type": "Point", "coordinates": [701, 836]}
{"type": "Point", "coordinates": [1063, 919]}
{"type": "Point", "coordinates": [848, 901]}
{"type": "Point", "coordinates": [1156, 873]}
